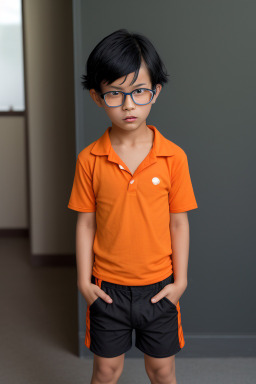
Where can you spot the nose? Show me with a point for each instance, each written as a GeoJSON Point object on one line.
{"type": "Point", "coordinates": [128, 103]}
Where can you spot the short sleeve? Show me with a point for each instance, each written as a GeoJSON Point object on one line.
{"type": "Point", "coordinates": [82, 196]}
{"type": "Point", "coordinates": [181, 195]}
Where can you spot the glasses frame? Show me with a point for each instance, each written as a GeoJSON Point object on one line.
{"type": "Point", "coordinates": [153, 92]}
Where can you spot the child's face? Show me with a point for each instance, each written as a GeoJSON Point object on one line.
{"type": "Point", "coordinates": [129, 108]}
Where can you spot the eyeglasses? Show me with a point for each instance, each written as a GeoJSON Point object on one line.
{"type": "Point", "coordinates": [140, 96]}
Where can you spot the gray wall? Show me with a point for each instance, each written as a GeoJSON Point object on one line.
{"type": "Point", "coordinates": [208, 108]}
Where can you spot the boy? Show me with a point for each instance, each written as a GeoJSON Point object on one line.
{"type": "Point", "coordinates": [132, 189]}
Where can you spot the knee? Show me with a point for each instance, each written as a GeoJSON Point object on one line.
{"type": "Point", "coordinates": [163, 375]}
{"type": "Point", "coordinates": [105, 374]}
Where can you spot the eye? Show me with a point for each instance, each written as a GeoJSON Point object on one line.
{"type": "Point", "coordinates": [114, 93]}
{"type": "Point", "coordinates": [139, 91]}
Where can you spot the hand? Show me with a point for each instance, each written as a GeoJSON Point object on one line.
{"type": "Point", "coordinates": [92, 291]}
{"type": "Point", "coordinates": [172, 291]}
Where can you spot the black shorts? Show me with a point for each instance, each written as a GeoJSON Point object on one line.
{"type": "Point", "coordinates": [109, 326]}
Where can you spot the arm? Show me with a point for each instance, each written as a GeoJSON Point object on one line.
{"type": "Point", "coordinates": [179, 228]}
{"type": "Point", "coordinates": [85, 232]}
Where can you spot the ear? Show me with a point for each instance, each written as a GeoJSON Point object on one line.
{"type": "Point", "coordinates": [158, 90]}
{"type": "Point", "coordinates": [96, 97]}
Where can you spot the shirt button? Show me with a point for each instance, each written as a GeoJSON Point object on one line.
{"type": "Point", "coordinates": [132, 181]}
{"type": "Point", "coordinates": [121, 167]}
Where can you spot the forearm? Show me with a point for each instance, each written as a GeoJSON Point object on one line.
{"type": "Point", "coordinates": [84, 254]}
{"type": "Point", "coordinates": [180, 252]}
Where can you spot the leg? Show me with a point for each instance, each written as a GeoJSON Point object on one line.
{"type": "Point", "coordinates": [107, 370]}
{"type": "Point", "coordinates": [160, 370]}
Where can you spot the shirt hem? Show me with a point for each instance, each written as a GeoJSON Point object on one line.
{"type": "Point", "coordinates": [188, 208]}
{"type": "Point", "coordinates": [122, 283]}
{"type": "Point", "coordinates": [81, 209]}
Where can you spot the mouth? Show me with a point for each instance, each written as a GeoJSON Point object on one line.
{"type": "Point", "coordinates": [130, 118]}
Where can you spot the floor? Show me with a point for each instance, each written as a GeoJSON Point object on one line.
{"type": "Point", "coordinates": [38, 326]}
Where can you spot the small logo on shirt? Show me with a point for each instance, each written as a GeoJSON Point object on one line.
{"type": "Point", "coordinates": [155, 180]}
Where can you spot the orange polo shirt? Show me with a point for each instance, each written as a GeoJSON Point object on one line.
{"type": "Point", "coordinates": [132, 243]}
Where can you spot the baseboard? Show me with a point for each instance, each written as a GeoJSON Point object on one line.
{"type": "Point", "coordinates": [14, 232]}
{"type": "Point", "coordinates": [53, 260]}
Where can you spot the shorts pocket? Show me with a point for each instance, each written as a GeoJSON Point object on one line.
{"type": "Point", "coordinates": [170, 302]}
{"type": "Point", "coordinates": [102, 286]}
{"type": "Point", "coordinates": [94, 302]}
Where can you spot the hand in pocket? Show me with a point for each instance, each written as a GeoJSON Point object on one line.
{"type": "Point", "coordinates": [91, 292]}
{"type": "Point", "coordinates": [172, 292]}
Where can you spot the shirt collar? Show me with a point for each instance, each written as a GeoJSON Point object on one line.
{"type": "Point", "coordinates": [161, 145]}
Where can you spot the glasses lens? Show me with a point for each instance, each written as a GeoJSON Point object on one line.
{"type": "Point", "coordinates": [142, 96]}
{"type": "Point", "coordinates": [114, 99]}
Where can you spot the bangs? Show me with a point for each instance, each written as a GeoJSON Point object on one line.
{"type": "Point", "coordinates": [124, 57]}
{"type": "Point", "coordinates": [119, 54]}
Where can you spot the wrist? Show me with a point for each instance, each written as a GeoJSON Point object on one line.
{"type": "Point", "coordinates": [181, 284]}
{"type": "Point", "coordinates": [83, 285]}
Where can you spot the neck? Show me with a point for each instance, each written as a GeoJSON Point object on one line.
{"type": "Point", "coordinates": [131, 136]}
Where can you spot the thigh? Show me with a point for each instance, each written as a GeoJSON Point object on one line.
{"type": "Point", "coordinates": [109, 332]}
{"type": "Point", "coordinates": [160, 366]}
{"type": "Point", "coordinates": [159, 332]}
{"type": "Point", "coordinates": [108, 364]}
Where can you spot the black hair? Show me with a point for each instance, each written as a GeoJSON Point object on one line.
{"type": "Point", "coordinates": [119, 54]}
